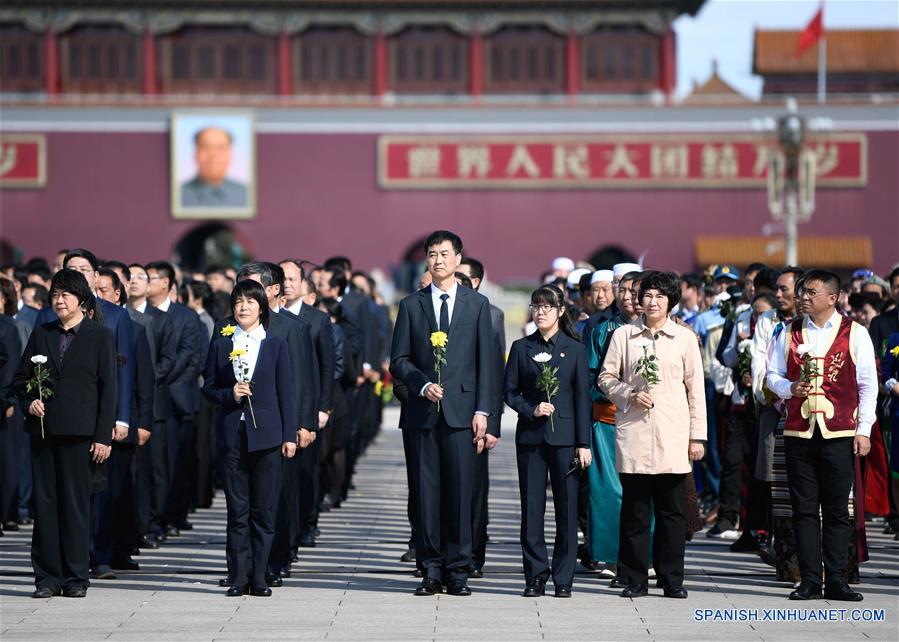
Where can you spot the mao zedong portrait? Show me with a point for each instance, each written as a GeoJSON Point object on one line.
{"type": "Point", "coordinates": [211, 186]}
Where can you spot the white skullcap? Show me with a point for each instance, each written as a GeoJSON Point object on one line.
{"type": "Point", "coordinates": [620, 269]}
{"type": "Point", "coordinates": [574, 277]}
{"type": "Point", "coordinates": [604, 276]}
{"type": "Point", "coordinates": [563, 263]}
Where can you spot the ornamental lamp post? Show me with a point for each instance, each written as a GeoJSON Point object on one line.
{"type": "Point", "coordinates": [791, 178]}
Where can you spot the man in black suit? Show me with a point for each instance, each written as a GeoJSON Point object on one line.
{"type": "Point", "coordinates": [323, 342]}
{"type": "Point", "coordinates": [303, 367]}
{"type": "Point", "coordinates": [177, 369]}
{"type": "Point", "coordinates": [80, 356]}
{"type": "Point", "coordinates": [115, 526]}
{"type": "Point", "coordinates": [10, 450]}
{"type": "Point", "coordinates": [479, 513]}
{"type": "Point", "coordinates": [439, 415]}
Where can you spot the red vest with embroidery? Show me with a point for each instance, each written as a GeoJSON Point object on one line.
{"type": "Point", "coordinates": [832, 404]}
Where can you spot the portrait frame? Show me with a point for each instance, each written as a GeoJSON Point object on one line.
{"type": "Point", "coordinates": [189, 195]}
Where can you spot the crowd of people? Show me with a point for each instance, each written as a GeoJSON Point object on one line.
{"type": "Point", "coordinates": [653, 404]}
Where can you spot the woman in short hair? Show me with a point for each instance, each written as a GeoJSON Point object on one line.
{"type": "Point", "coordinates": [248, 376]}
{"type": "Point", "coordinates": [653, 374]}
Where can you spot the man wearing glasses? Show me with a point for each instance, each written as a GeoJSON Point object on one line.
{"type": "Point", "coordinates": [823, 368]}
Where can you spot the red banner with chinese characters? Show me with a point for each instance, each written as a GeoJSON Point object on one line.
{"type": "Point", "coordinates": [23, 160]}
{"type": "Point", "coordinates": [558, 162]}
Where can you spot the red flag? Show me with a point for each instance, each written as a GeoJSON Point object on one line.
{"type": "Point", "coordinates": [812, 33]}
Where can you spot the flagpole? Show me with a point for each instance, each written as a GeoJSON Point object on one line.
{"type": "Point", "coordinates": [822, 69]}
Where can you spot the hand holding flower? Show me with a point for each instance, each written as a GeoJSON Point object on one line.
{"type": "Point", "coordinates": [241, 389]}
{"type": "Point", "coordinates": [544, 409]}
{"type": "Point", "coordinates": [37, 408]}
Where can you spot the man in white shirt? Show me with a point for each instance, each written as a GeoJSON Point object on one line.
{"type": "Point", "coordinates": [823, 367]}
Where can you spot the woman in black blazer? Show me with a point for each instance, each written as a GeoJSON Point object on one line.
{"type": "Point", "coordinates": [248, 375]}
{"type": "Point", "coordinates": [552, 436]}
{"type": "Point", "coordinates": [78, 420]}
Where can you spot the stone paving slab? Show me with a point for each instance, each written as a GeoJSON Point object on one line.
{"type": "Point", "coordinates": [352, 586]}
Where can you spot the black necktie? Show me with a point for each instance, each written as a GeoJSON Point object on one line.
{"type": "Point", "coordinates": [444, 313]}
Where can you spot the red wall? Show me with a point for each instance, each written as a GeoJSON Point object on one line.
{"type": "Point", "coordinates": [317, 196]}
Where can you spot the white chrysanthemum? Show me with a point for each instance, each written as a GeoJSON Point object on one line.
{"type": "Point", "coordinates": [39, 358]}
{"type": "Point", "coordinates": [543, 357]}
{"type": "Point", "coordinates": [745, 344]}
{"type": "Point", "coordinates": [805, 349]}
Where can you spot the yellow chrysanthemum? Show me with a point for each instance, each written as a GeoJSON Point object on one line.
{"type": "Point", "coordinates": [439, 339]}
{"type": "Point", "coordinates": [228, 330]}
{"type": "Point", "coordinates": [237, 352]}
{"type": "Point", "coordinates": [895, 351]}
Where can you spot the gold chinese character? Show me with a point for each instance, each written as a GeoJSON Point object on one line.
{"type": "Point", "coordinates": [668, 161]}
{"type": "Point", "coordinates": [423, 161]}
{"type": "Point", "coordinates": [521, 159]}
{"type": "Point", "coordinates": [473, 159]}
{"type": "Point", "coordinates": [827, 157]}
{"type": "Point", "coordinates": [622, 161]}
{"type": "Point", "coordinates": [762, 156]}
{"type": "Point", "coordinates": [573, 161]}
{"type": "Point", "coordinates": [719, 162]}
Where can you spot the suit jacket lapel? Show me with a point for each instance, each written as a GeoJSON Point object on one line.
{"type": "Point", "coordinates": [81, 338]}
{"type": "Point", "coordinates": [459, 309]}
{"type": "Point", "coordinates": [52, 339]}
{"type": "Point", "coordinates": [424, 298]}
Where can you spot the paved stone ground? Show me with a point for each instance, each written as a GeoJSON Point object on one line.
{"type": "Point", "coordinates": [352, 586]}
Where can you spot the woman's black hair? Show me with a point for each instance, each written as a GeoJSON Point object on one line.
{"type": "Point", "coordinates": [667, 283]}
{"type": "Point", "coordinates": [73, 282]}
{"type": "Point", "coordinates": [252, 290]}
{"type": "Point", "coordinates": [333, 307]}
{"type": "Point", "coordinates": [550, 294]}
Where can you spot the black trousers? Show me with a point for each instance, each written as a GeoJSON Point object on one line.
{"type": "Point", "coordinates": [309, 481]}
{"type": "Point", "coordinates": [412, 497]}
{"type": "Point", "coordinates": [163, 431]}
{"type": "Point", "coordinates": [60, 544]}
{"type": "Point", "coordinates": [533, 463]}
{"type": "Point", "coordinates": [286, 517]}
{"type": "Point", "coordinates": [442, 464]}
{"type": "Point", "coordinates": [181, 453]}
{"type": "Point", "coordinates": [114, 526]}
{"type": "Point", "coordinates": [143, 488]}
{"type": "Point", "coordinates": [664, 496]}
{"type": "Point", "coordinates": [479, 514]}
{"type": "Point", "coordinates": [739, 432]}
{"type": "Point", "coordinates": [11, 434]}
{"type": "Point", "coordinates": [204, 445]}
{"type": "Point", "coordinates": [251, 493]}
{"type": "Point", "coordinates": [821, 472]}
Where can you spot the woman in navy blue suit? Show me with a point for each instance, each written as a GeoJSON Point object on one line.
{"type": "Point", "coordinates": [551, 435]}
{"type": "Point", "coordinates": [248, 375]}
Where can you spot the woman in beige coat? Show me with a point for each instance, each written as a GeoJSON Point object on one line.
{"type": "Point", "coordinates": [653, 374]}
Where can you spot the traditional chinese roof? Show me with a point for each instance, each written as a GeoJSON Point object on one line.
{"type": "Point", "coordinates": [715, 90]}
{"type": "Point", "coordinates": [822, 251]}
{"type": "Point", "coordinates": [860, 51]}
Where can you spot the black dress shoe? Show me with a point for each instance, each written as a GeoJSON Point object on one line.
{"type": "Point", "coordinates": [273, 580]}
{"type": "Point", "coordinates": [428, 588]}
{"type": "Point", "coordinates": [10, 526]}
{"type": "Point", "coordinates": [159, 538]}
{"type": "Point", "coordinates": [842, 593]}
{"type": "Point", "coordinates": [307, 541]}
{"type": "Point", "coordinates": [184, 526]}
{"type": "Point", "coordinates": [236, 591]}
{"type": "Point", "coordinates": [25, 521]}
{"type": "Point", "coordinates": [135, 550]}
{"type": "Point", "coordinates": [677, 592]}
{"type": "Point", "coordinates": [535, 588]}
{"type": "Point", "coordinates": [408, 556]}
{"type": "Point", "coordinates": [147, 542]}
{"type": "Point", "coordinates": [806, 591]}
{"type": "Point", "coordinates": [172, 531]}
{"type": "Point", "coordinates": [44, 592]}
{"type": "Point", "coordinates": [476, 573]}
{"type": "Point", "coordinates": [637, 590]}
{"type": "Point", "coordinates": [74, 591]}
{"type": "Point", "coordinates": [459, 589]}
{"type": "Point", "coordinates": [125, 565]}
{"type": "Point", "coordinates": [226, 581]}
{"type": "Point", "coordinates": [416, 572]}
{"type": "Point", "coordinates": [261, 591]}
{"type": "Point", "coordinates": [617, 583]}
{"type": "Point", "coordinates": [102, 572]}
{"type": "Point", "coordinates": [286, 572]}
{"type": "Point", "coordinates": [563, 591]}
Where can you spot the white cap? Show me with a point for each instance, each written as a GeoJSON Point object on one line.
{"type": "Point", "coordinates": [563, 263]}
{"type": "Point", "coordinates": [574, 277]}
{"type": "Point", "coordinates": [620, 269]}
{"type": "Point", "coordinates": [604, 276]}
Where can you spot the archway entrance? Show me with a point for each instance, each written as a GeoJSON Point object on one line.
{"type": "Point", "coordinates": [606, 256]}
{"type": "Point", "coordinates": [210, 244]}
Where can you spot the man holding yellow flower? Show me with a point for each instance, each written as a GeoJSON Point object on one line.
{"type": "Point", "coordinates": [449, 378]}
